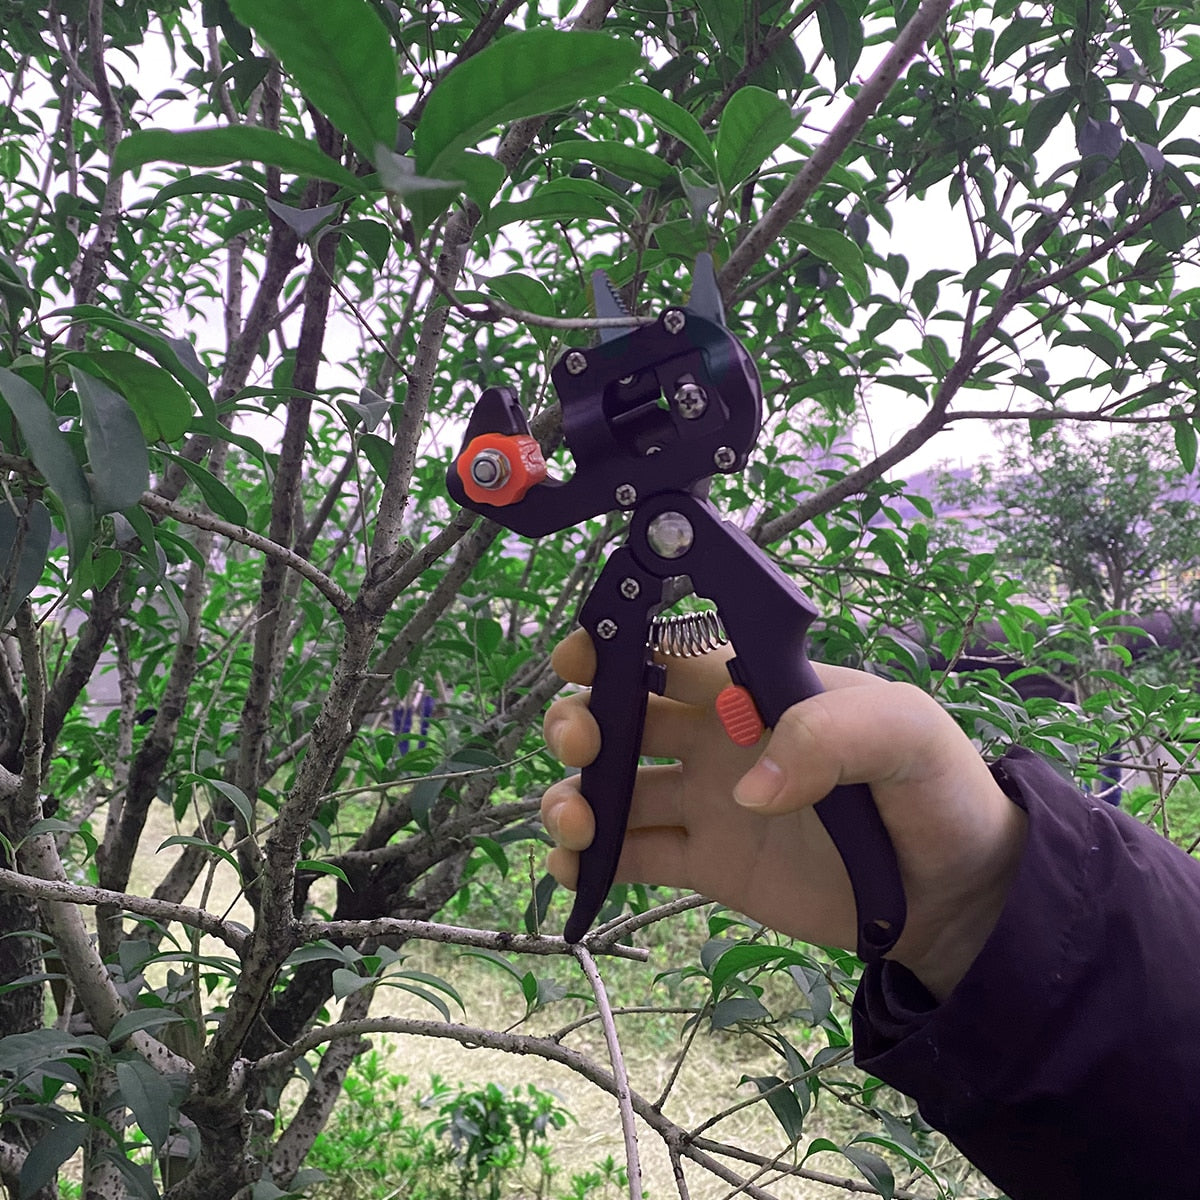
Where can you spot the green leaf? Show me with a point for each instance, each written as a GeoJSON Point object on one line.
{"type": "Point", "coordinates": [840, 252]}
{"type": "Point", "coordinates": [175, 355]}
{"type": "Point", "coordinates": [874, 1169]}
{"type": "Point", "coordinates": [558, 200]}
{"type": "Point", "coordinates": [148, 1096]}
{"type": "Point", "coordinates": [629, 162]}
{"type": "Point", "coordinates": [925, 290]}
{"type": "Point", "coordinates": [1107, 347]}
{"type": "Point", "coordinates": [340, 54]}
{"type": "Point", "coordinates": [208, 185]}
{"type": "Point", "coordinates": [1044, 116]}
{"type": "Point", "coordinates": [1185, 444]}
{"type": "Point", "coordinates": [521, 75]}
{"type": "Point", "coordinates": [737, 1008]}
{"type": "Point", "coordinates": [842, 36]}
{"type": "Point", "coordinates": [180, 839]}
{"type": "Point", "coordinates": [317, 867]}
{"type": "Point", "coordinates": [378, 452]}
{"type": "Point", "coordinates": [49, 1153]}
{"type": "Point", "coordinates": [160, 403]}
{"type": "Point", "coordinates": [216, 495]}
{"type": "Point", "coordinates": [140, 1019]}
{"type": "Point", "coordinates": [220, 145]}
{"type": "Point", "coordinates": [346, 982]}
{"type": "Point", "coordinates": [115, 444]}
{"type": "Point", "coordinates": [51, 454]}
{"type": "Point", "coordinates": [233, 794]}
{"type": "Point", "coordinates": [668, 116]}
{"type": "Point", "coordinates": [24, 546]}
{"type": "Point", "coordinates": [530, 295]}
{"type": "Point", "coordinates": [782, 1101]}
{"type": "Point", "coordinates": [753, 126]}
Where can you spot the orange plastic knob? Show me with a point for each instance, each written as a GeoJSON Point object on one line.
{"type": "Point", "coordinates": [739, 714]}
{"type": "Point", "coordinates": [499, 468]}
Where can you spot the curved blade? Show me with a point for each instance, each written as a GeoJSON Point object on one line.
{"type": "Point", "coordinates": [608, 303]}
{"type": "Point", "coordinates": [705, 300]}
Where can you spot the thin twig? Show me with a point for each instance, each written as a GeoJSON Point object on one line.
{"type": "Point", "coordinates": [620, 1074]}
{"type": "Point", "coordinates": [332, 592]}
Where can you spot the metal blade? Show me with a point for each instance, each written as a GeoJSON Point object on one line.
{"type": "Point", "coordinates": [705, 300]}
{"type": "Point", "coordinates": [608, 303]}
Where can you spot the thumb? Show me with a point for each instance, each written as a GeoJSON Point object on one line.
{"type": "Point", "coordinates": [879, 734]}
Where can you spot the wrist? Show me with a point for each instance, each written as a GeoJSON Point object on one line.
{"type": "Point", "coordinates": [969, 915]}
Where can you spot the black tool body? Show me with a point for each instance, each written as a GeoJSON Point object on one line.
{"type": "Point", "coordinates": [649, 417]}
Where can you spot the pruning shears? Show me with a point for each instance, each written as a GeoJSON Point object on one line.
{"type": "Point", "coordinates": [650, 415]}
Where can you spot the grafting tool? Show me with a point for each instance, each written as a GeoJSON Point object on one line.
{"type": "Point", "coordinates": [649, 416]}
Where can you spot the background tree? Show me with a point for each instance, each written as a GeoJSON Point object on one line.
{"type": "Point", "coordinates": [255, 254]}
{"type": "Point", "coordinates": [1111, 518]}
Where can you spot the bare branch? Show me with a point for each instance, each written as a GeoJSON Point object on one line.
{"type": "Point", "coordinates": [455, 935]}
{"type": "Point", "coordinates": [909, 41]}
{"type": "Point", "coordinates": [620, 1075]}
{"type": "Point", "coordinates": [332, 592]}
{"type": "Point", "coordinates": [232, 934]}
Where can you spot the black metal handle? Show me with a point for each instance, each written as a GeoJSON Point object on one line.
{"type": "Point", "coordinates": [767, 619]}
{"type": "Point", "coordinates": [616, 614]}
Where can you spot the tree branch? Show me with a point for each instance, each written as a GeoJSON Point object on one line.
{"type": "Point", "coordinates": [232, 934]}
{"type": "Point", "coordinates": [280, 554]}
{"type": "Point", "coordinates": [791, 200]}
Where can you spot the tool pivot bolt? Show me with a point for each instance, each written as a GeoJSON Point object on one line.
{"type": "Point", "coordinates": [670, 534]}
{"type": "Point", "coordinates": [576, 362]}
{"type": "Point", "coordinates": [626, 494]}
{"type": "Point", "coordinates": [725, 457]}
{"type": "Point", "coordinates": [630, 588]}
{"type": "Point", "coordinates": [691, 400]}
{"type": "Point", "coordinates": [607, 629]}
{"type": "Point", "coordinates": [674, 320]}
{"type": "Point", "coordinates": [490, 469]}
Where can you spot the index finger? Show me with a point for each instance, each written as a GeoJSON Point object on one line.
{"type": "Point", "coordinates": [689, 680]}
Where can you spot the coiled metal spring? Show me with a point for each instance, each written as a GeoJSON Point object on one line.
{"type": "Point", "coordinates": [687, 635]}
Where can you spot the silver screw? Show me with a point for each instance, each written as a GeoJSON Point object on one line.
{"type": "Point", "coordinates": [490, 469]}
{"type": "Point", "coordinates": [626, 494]}
{"type": "Point", "coordinates": [630, 588]}
{"type": "Point", "coordinates": [691, 400]}
{"type": "Point", "coordinates": [670, 534]}
{"type": "Point", "coordinates": [606, 629]}
{"type": "Point", "coordinates": [576, 363]}
{"type": "Point", "coordinates": [674, 320]}
{"type": "Point", "coordinates": [725, 457]}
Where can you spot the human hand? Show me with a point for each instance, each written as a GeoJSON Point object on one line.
{"type": "Point", "coordinates": [739, 824]}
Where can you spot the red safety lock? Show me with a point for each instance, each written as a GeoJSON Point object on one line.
{"type": "Point", "coordinates": [739, 714]}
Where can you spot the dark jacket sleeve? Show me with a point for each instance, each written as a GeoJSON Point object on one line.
{"type": "Point", "coordinates": [1066, 1064]}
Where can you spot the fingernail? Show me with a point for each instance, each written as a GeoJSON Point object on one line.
{"type": "Point", "coordinates": [553, 733]}
{"type": "Point", "coordinates": [760, 785]}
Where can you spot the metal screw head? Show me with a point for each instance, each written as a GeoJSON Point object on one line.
{"type": "Point", "coordinates": [576, 362]}
{"type": "Point", "coordinates": [630, 588]}
{"type": "Point", "coordinates": [606, 629]}
{"type": "Point", "coordinates": [691, 400]}
{"type": "Point", "coordinates": [626, 494]}
{"type": "Point", "coordinates": [673, 320]}
{"type": "Point", "coordinates": [725, 457]}
{"type": "Point", "coordinates": [490, 469]}
{"type": "Point", "coordinates": [670, 534]}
